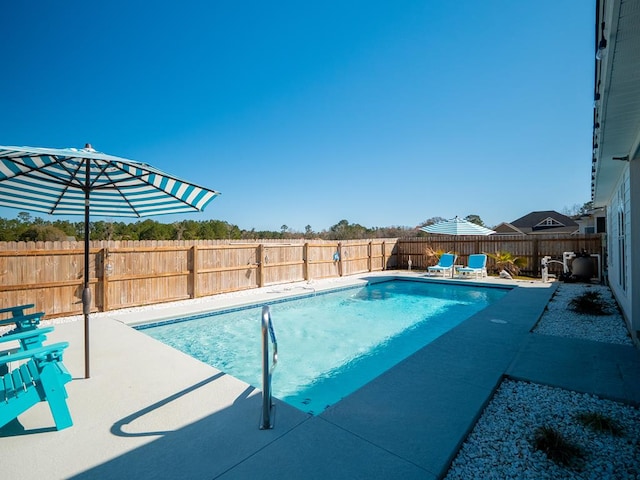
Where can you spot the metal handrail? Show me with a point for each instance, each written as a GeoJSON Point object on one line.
{"type": "Point", "coordinates": [266, 421]}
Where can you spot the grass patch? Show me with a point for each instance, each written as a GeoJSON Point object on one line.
{"type": "Point", "coordinates": [600, 423]}
{"type": "Point", "coordinates": [589, 302]}
{"type": "Point", "coordinates": [556, 447]}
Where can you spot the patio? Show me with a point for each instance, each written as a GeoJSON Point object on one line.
{"type": "Point", "coordinates": [149, 411]}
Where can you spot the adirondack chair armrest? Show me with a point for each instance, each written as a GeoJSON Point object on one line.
{"type": "Point", "coordinates": [17, 336]}
{"type": "Point", "coordinates": [23, 322]}
{"type": "Point", "coordinates": [47, 353]}
{"type": "Point", "coordinates": [17, 310]}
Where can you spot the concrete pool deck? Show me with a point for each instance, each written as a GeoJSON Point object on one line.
{"type": "Point", "coordinates": [149, 411]}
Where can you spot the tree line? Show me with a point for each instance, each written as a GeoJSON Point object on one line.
{"type": "Point", "coordinates": [26, 228]}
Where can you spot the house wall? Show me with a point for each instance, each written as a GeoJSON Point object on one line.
{"type": "Point", "coordinates": [594, 223]}
{"type": "Point", "coordinates": [634, 244]}
{"type": "Point", "coordinates": [623, 255]}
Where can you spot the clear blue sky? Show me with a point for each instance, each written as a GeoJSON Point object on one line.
{"type": "Point", "coordinates": [306, 113]}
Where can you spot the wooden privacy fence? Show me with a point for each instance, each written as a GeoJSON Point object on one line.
{"type": "Point", "coordinates": [127, 274]}
{"type": "Point", "coordinates": [530, 249]}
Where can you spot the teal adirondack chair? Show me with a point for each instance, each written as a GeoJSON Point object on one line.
{"type": "Point", "coordinates": [16, 310]}
{"type": "Point", "coordinates": [26, 339]}
{"type": "Point", "coordinates": [41, 378]}
{"type": "Point", "coordinates": [26, 334]}
{"type": "Point", "coordinates": [21, 320]}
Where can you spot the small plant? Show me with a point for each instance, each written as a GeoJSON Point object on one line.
{"type": "Point", "coordinates": [589, 302]}
{"type": "Point", "coordinates": [432, 255]}
{"type": "Point", "coordinates": [556, 447]}
{"type": "Point", "coordinates": [600, 423]}
{"type": "Point", "coordinates": [506, 261]}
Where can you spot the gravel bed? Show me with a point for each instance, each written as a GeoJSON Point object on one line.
{"type": "Point", "coordinates": [501, 444]}
{"type": "Point", "coordinates": [561, 321]}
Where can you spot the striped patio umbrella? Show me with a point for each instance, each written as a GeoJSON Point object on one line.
{"type": "Point", "coordinates": [457, 226]}
{"type": "Point", "coordinates": [82, 181]}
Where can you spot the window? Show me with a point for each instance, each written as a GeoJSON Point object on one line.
{"type": "Point", "coordinates": [622, 254]}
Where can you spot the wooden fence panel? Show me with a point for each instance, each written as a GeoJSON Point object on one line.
{"type": "Point", "coordinates": [147, 291]}
{"type": "Point", "coordinates": [377, 262]}
{"type": "Point", "coordinates": [141, 276]}
{"type": "Point", "coordinates": [283, 263]}
{"type": "Point", "coordinates": [530, 248]}
{"type": "Point", "coordinates": [355, 257]}
{"type": "Point", "coordinates": [127, 273]}
{"type": "Point", "coordinates": [320, 262]}
{"type": "Point", "coordinates": [390, 254]}
{"type": "Point", "coordinates": [48, 274]}
{"type": "Point", "coordinates": [226, 268]}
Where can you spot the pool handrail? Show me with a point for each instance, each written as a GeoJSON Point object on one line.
{"type": "Point", "coordinates": [266, 422]}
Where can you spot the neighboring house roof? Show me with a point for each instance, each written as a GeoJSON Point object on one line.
{"type": "Point", "coordinates": [547, 221]}
{"type": "Point", "coordinates": [506, 228]}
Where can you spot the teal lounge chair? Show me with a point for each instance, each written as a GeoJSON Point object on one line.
{"type": "Point", "coordinates": [41, 378]}
{"type": "Point", "coordinates": [445, 264]}
{"type": "Point", "coordinates": [477, 266]}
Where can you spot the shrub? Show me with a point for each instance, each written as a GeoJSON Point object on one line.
{"type": "Point", "coordinates": [506, 261]}
{"type": "Point", "coordinates": [589, 302]}
{"type": "Point", "coordinates": [556, 447]}
{"type": "Point", "coordinates": [432, 255]}
{"type": "Point", "coordinates": [600, 423]}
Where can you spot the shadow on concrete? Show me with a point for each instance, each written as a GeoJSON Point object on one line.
{"type": "Point", "coordinates": [204, 449]}
{"type": "Point", "coordinates": [117, 428]}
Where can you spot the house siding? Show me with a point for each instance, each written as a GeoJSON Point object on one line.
{"type": "Point", "coordinates": [634, 245]}
{"type": "Point", "coordinates": [623, 257]}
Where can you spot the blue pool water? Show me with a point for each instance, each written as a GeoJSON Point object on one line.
{"type": "Point", "coordinates": [329, 344]}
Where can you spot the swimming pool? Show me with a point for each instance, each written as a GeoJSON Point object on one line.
{"type": "Point", "coordinates": [330, 343]}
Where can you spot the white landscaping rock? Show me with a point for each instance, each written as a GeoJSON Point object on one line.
{"type": "Point", "coordinates": [501, 443]}
{"type": "Point", "coordinates": [561, 321]}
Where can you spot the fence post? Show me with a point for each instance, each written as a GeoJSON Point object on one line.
{"type": "Point", "coordinates": [534, 256]}
{"type": "Point", "coordinates": [305, 257]}
{"type": "Point", "coordinates": [194, 272]}
{"type": "Point", "coordinates": [340, 259]}
{"type": "Point", "coordinates": [369, 252]}
{"type": "Point", "coordinates": [384, 255]}
{"type": "Point", "coordinates": [105, 279]}
{"type": "Point", "coordinates": [261, 260]}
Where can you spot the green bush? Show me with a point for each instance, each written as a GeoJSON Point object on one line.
{"type": "Point", "coordinates": [590, 303]}
{"type": "Point", "coordinates": [556, 447]}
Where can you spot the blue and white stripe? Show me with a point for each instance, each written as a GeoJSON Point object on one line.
{"type": "Point", "coordinates": [457, 226]}
{"type": "Point", "coordinates": [54, 181]}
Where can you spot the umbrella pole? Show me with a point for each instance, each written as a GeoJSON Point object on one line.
{"type": "Point", "coordinates": [86, 292]}
{"type": "Point", "coordinates": [455, 241]}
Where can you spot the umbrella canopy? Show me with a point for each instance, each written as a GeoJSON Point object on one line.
{"type": "Point", "coordinates": [457, 226]}
{"type": "Point", "coordinates": [55, 181]}
{"type": "Point", "coordinates": [73, 181]}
